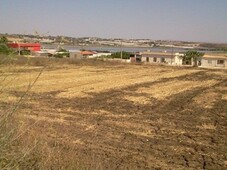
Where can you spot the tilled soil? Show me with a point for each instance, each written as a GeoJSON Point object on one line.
{"type": "Point", "coordinates": [118, 118]}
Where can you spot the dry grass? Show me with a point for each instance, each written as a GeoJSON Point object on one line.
{"type": "Point", "coordinates": [208, 126]}
{"type": "Point", "coordinates": [169, 88]}
{"type": "Point", "coordinates": [208, 99]}
{"type": "Point", "coordinates": [103, 116]}
{"type": "Point", "coordinates": [14, 154]}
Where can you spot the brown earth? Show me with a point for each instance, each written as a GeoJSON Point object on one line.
{"type": "Point", "coordinates": [124, 116]}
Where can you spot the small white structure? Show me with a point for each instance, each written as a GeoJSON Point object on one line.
{"type": "Point", "coordinates": [75, 54]}
{"type": "Point", "coordinates": [214, 60]}
{"type": "Point", "coordinates": [44, 52]}
{"type": "Point", "coordinates": [178, 59]}
{"type": "Point", "coordinates": [100, 55]}
{"type": "Point", "coordinates": [86, 54]}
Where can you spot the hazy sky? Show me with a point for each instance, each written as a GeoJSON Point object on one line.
{"type": "Point", "coordinates": [190, 20]}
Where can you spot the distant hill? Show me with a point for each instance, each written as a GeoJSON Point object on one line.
{"type": "Point", "coordinates": [88, 41]}
{"type": "Point", "coordinates": [214, 45]}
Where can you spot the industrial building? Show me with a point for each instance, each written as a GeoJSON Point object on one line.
{"type": "Point", "coordinates": [25, 46]}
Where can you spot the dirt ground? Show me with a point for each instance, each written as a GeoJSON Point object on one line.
{"type": "Point", "coordinates": [124, 116]}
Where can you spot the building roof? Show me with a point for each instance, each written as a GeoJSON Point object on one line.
{"type": "Point", "coordinates": [87, 52]}
{"type": "Point", "coordinates": [24, 44]}
{"type": "Point", "coordinates": [157, 54]}
{"type": "Point", "coordinates": [74, 51]}
{"type": "Point", "coordinates": [215, 56]}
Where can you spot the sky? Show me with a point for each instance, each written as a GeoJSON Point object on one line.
{"type": "Point", "coordinates": [186, 20]}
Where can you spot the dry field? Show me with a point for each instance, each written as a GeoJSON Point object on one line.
{"type": "Point", "coordinates": [120, 116]}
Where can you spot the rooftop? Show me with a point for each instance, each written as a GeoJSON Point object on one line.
{"type": "Point", "coordinates": [87, 53]}
{"type": "Point", "coordinates": [215, 56]}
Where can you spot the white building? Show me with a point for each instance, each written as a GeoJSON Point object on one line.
{"type": "Point", "coordinates": [178, 59]}
{"type": "Point", "coordinates": [162, 57]}
{"type": "Point", "coordinates": [100, 55]}
{"type": "Point", "coordinates": [75, 54]}
{"type": "Point", "coordinates": [214, 60]}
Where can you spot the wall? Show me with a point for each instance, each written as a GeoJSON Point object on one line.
{"type": "Point", "coordinates": [169, 60]}
{"type": "Point", "coordinates": [205, 63]}
{"type": "Point", "coordinates": [100, 55]}
{"type": "Point", "coordinates": [144, 59]}
{"type": "Point", "coordinates": [178, 59]}
{"type": "Point", "coordinates": [26, 46]}
{"type": "Point", "coordinates": [151, 60]}
{"type": "Point", "coordinates": [75, 55]}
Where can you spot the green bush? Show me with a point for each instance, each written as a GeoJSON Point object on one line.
{"type": "Point", "coordinates": [25, 52]}
{"type": "Point", "coordinates": [125, 55]}
{"type": "Point", "coordinates": [4, 49]}
{"type": "Point", "coordinates": [61, 53]}
{"type": "Point", "coordinates": [3, 40]}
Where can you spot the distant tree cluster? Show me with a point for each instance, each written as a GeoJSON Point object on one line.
{"type": "Point", "coordinates": [61, 53]}
{"type": "Point", "coordinates": [125, 55]}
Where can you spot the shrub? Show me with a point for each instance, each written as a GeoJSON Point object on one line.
{"type": "Point", "coordinates": [125, 55]}
{"type": "Point", "coordinates": [4, 49]}
{"type": "Point", "coordinates": [61, 53]}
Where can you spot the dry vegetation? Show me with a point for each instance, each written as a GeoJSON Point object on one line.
{"type": "Point", "coordinates": [100, 115]}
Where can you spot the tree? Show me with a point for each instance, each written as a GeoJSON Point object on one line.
{"type": "Point", "coordinates": [193, 55]}
{"type": "Point", "coordinates": [3, 40]}
{"type": "Point", "coordinates": [125, 55]}
{"type": "Point", "coordinates": [4, 49]}
{"type": "Point", "coordinates": [61, 53]}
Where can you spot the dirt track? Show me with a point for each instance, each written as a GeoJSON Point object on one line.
{"type": "Point", "coordinates": [128, 116]}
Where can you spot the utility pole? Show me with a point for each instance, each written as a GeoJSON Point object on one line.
{"type": "Point", "coordinates": [18, 47]}
{"type": "Point", "coordinates": [172, 50]}
{"type": "Point", "coordinates": [121, 50]}
{"type": "Point", "coordinates": [172, 54]}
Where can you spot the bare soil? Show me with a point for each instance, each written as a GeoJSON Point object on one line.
{"type": "Point", "coordinates": [125, 116]}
